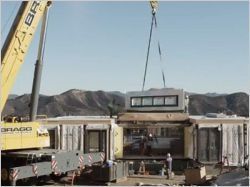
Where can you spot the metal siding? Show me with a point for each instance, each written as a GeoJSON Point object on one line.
{"type": "Point", "coordinates": [118, 142]}
{"type": "Point", "coordinates": [232, 145]}
{"type": "Point", "coordinates": [188, 142]}
{"type": "Point", "coordinates": [72, 137]}
{"type": "Point", "coordinates": [235, 144]}
{"type": "Point", "coordinates": [224, 140]}
{"type": "Point", "coordinates": [240, 144]}
{"type": "Point", "coordinates": [81, 148]}
{"type": "Point", "coordinates": [229, 144]}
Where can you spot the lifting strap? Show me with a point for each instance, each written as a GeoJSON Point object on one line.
{"type": "Point", "coordinates": [153, 24]}
{"type": "Point", "coordinates": [160, 55]}
{"type": "Point", "coordinates": [149, 43]}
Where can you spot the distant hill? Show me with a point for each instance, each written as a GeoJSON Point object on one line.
{"type": "Point", "coordinates": [79, 102]}
{"type": "Point", "coordinates": [237, 103]}
{"type": "Point", "coordinates": [72, 102]}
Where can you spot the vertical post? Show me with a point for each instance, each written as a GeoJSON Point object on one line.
{"type": "Point", "coordinates": [197, 142]}
{"type": "Point", "coordinates": [57, 139]}
{"type": "Point", "coordinates": [209, 144]}
{"type": "Point", "coordinates": [86, 139]}
{"type": "Point", "coordinates": [195, 137]}
{"type": "Point", "coordinates": [62, 136]}
{"type": "Point", "coordinates": [81, 148]}
{"type": "Point", "coordinates": [245, 141]}
{"type": "Point", "coordinates": [109, 155]}
{"type": "Point", "coordinates": [221, 143]}
{"type": "Point", "coordinates": [38, 67]}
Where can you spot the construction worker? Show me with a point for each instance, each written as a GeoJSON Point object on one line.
{"type": "Point", "coordinates": [149, 144]}
{"type": "Point", "coordinates": [142, 144]}
{"type": "Point", "coordinates": [150, 141]}
{"type": "Point", "coordinates": [169, 166]}
{"type": "Point", "coordinates": [142, 168]}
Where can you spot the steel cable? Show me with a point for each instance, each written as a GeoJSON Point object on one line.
{"type": "Point", "coordinates": [153, 24]}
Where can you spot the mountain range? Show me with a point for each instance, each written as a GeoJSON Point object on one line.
{"type": "Point", "coordinates": [86, 103]}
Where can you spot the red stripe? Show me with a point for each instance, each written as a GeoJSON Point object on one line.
{"type": "Point", "coordinates": [14, 174]}
{"type": "Point", "coordinates": [54, 164]}
{"type": "Point", "coordinates": [34, 167]}
{"type": "Point", "coordinates": [90, 159]}
{"type": "Point", "coordinates": [81, 158]}
{"type": "Point", "coordinates": [102, 155]}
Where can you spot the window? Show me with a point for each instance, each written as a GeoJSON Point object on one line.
{"type": "Point", "coordinates": [171, 100]}
{"type": "Point", "coordinates": [136, 101]}
{"type": "Point", "coordinates": [147, 101]}
{"type": "Point", "coordinates": [158, 101]}
{"type": "Point", "coordinates": [93, 142]}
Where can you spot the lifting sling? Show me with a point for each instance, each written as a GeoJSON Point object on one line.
{"type": "Point", "coordinates": [153, 24]}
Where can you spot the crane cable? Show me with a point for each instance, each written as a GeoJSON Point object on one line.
{"type": "Point", "coordinates": [153, 24]}
{"type": "Point", "coordinates": [149, 43]}
{"type": "Point", "coordinates": [160, 55]}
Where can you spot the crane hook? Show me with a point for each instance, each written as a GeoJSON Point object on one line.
{"type": "Point", "coordinates": [154, 6]}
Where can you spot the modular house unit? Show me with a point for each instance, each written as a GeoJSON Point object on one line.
{"type": "Point", "coordinates": [213, 138]}
{"type": "Point", "coordinates": [87, 134]}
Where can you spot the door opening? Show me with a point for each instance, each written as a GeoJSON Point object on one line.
{"type": "Point", "coordinates": [95, 141]}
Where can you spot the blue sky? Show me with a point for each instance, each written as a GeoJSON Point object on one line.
{"type": "Point", "coordinates": [103, 45]}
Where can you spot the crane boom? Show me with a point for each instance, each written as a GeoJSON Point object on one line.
{"type": "Point", "coordinates": [17, 43]}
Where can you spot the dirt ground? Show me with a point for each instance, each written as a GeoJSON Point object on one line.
{"type": "Point", "coordinates": [135, 180]}
{"type": "Point", "coordinates": [150, 180]}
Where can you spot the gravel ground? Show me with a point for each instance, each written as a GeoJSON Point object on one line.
{"type": "Point", "coordinates": [151, 180]}
{"type": "Point", "coordinates": [135, 181]}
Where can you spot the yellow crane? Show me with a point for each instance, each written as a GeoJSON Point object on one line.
{"type": "Point", "coordinates": [21, 156]}
{"type": "Point", "coordinates": [16, 134]}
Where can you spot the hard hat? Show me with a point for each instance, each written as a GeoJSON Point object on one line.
{"type": "Point", "coordinates": [168, 155]}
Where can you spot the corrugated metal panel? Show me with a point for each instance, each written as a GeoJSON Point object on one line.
{"type": "Point", "coordinates": [71, 137]}
{"type": "Point", "coordinates": [232, 145]}
{"type": "Point", "coordinates": [188, 141]}
{"type": "Point", "coordinates": [118, 142]}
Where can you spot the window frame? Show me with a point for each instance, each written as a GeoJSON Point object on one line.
{"type": "Point", "coordinates": [152, 105]}
{"type": "Point", "coordinates": [149, 104]}
{"type": "Point", "coordinates": [176, 97]}
{"type": "Point", "coordinates": [131, 98]}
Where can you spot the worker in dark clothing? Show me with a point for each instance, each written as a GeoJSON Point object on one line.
{"type": "Point", "coordinates": [142, 144]}
{"type": "Point", "coordinates": [149, 144]}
